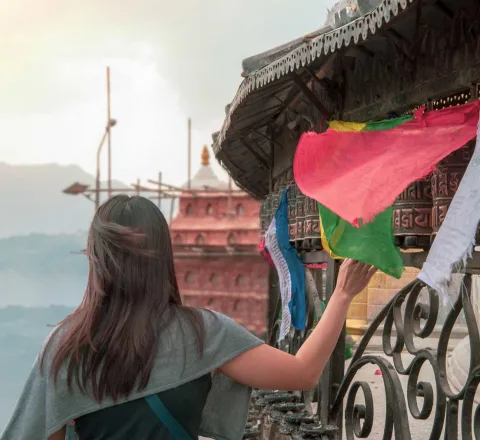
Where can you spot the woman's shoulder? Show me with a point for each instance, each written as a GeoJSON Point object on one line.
{"type": "Point", "coordinates": [217, 326]}
{"type": "Point", "coordinates": [216, 320]}
{"type": "Point", "coordinates": [50, 342]}
{"type": "Point", "coordinates": [220, 327]}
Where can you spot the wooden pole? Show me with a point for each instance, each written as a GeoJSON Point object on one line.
{"type": "Point", "coordinates": [109, 131]}
{"type": "Point", "coordinates": [189, 152]}
{"type": "Point", "coordinates": [97, 177]}
{"type": "Point", "coordinates": [138, 187]}
{"type": "Point", "coordinates": [160, 190]}
{"type": "Point", "coordinates": [172, 201]}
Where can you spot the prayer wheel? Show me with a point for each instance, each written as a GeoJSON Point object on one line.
{"type": "Point", "coordinates": [300, 220]}
{"type": "Point", "coordinates": [446, 180]}
{"type": "Point", "coordinates": [263, 221]}
{"type": "Point", "coordinates": [312, 225]}
{"type": "Point", "coordinates": [412, 213]}
{"type": "Point", "coordinates": [292, 209]}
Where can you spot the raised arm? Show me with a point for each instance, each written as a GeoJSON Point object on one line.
{"type": "Point", "coordinates": [266, 367]}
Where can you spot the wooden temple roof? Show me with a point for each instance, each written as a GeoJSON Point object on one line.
{"type": "Point", "coordinates": [398, 54]}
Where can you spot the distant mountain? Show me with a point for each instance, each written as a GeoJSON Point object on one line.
{"type": "Point", "coordinates": [22, 332]}
{"type": "Point", "coordinates": [32, 200]}
{"type": "Point", "coordinates": [40, 270]}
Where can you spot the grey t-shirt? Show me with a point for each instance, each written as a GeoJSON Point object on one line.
{"type": "Point", "coordinates": [44, 408]}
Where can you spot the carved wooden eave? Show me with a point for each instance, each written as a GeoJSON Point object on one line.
{"type": "Point", "coordinates": [399, 56]}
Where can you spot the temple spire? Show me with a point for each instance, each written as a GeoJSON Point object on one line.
{"type": "Point", "coordinates": [205, 156]}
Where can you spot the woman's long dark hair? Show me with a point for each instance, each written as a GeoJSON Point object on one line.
{"type": "Point", "coordinates": [111, 340]}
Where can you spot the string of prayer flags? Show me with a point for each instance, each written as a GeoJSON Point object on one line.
{"type": "Point", "coordinates": [291, 272]}
{"type": "Point", "coordinates": [358, 170]}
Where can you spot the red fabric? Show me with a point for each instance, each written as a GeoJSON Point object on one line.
{"type": "Point", "coordinates": [316, 266]}
{"type": "Point", "coordinates": [359, 174]}
{"type": "Point", "coordinates": [264, 252]}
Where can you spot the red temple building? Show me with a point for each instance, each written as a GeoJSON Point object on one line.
{"type": "Point", "coordinates": [215, 237]}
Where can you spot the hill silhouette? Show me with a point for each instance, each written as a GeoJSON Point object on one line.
{"type": "Point", "coordinates": [22, 332]}
{"type": "Point", "coordinates": [33, 201]}
{"type": "Point", "coordinates": [39, 270]}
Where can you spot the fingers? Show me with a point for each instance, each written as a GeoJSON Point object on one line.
{"type": "Point", "coordinates": [371, 272]}
{"type": "Point", "coordinates": [362, 269]}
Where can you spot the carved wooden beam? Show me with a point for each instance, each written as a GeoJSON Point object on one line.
{"type": "Point", "coordinates": [254, 100]}
{"type": "Point", "coordinates": [286, 104]}
{"type": "Point", "coordinates": [314, 76]}
{"type": "Point", "coordinates": [261, 161]}
{"type": "Point", "coordinates": [309, 94]}
{"type": "Point", "coordinates": [267, 138]}
{"type": "Point", "coordinates": [260, 112]}
{"type": "Point", "coordinates": [440, 6]}
{"type": "Point", "coordinates": [399, 42]}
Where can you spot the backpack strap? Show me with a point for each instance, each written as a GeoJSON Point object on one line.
{"type": "Point", "coordinates": [164, 415]}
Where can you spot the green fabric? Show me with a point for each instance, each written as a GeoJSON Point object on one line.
{"type": "Point", "coordinates": [387, 124]}
{"type": "Point", "coordinates": [372, 243]}
{"type": "Point", "coordinates": [348, 352]}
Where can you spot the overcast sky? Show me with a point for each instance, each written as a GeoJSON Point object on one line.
{"type": "Point", "coordinates": [169, 60]}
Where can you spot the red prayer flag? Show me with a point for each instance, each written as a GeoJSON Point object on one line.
{"type": "Point", "coordinates": [359, 174]}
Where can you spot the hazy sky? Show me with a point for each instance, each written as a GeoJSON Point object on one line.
{"type": "Point", "coordinates": [169, 60]}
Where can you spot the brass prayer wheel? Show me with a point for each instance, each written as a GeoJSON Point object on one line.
{"type": "Point", "coordinates": [268, 211]}
{"type": "Point", "coordinates": [263, 217]}
{"type": "Point", "coordinates": [300, 220]}
{"type": "Point", "coordinates": [446, 180]}
{"type": "Point", "coordinates": [312, 225]}
{"type": "Point", "coordinates": [292, 210]}
{"type": "Point", "coordinates": [412, 213]}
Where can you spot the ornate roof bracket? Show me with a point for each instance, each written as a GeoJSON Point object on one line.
{"type": "Point", "coordinates": [286, 104]}
{"type": "Point", "coordinates": [258, 113]}
{"type": "Point", "coordinates": [398, 42]}
{"type": "Point", "coordinates": [440, 6]}
{"type": "Point", "coordinates": [267, 138]}
{"type": "Point", "coordinates": [309, 94]}
{"type": "Point", "coordinates": [261, 161]}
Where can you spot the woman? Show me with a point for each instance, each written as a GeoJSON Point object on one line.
{"type": "Point", "coordinates": [133, 363]}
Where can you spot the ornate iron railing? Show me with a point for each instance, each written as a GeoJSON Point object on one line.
{"type": "Point", "coordinates": [345, 404]}
{"type": "Point", "coordinates": [418, 320]}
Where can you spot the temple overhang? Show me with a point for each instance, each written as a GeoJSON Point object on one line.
{"type": "Point", "coordinates": [398, 54]}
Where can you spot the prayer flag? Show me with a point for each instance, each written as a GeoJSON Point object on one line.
{"type": "Point", "coordinates": [291, 273]}
{"type": "Point", "coordinates": [455, 240]}
{"type": "Point", "coordinates": [372, 243]}
{"type": "Point", "coordinates": [358, 170]}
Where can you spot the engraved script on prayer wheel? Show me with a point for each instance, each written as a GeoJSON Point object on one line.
{"type": "Point", "coordinates": [292, 209]}
{"type": "Point", "coordinates": [312, 225]}
{"type": "Point", "coordinates": [446, 180]}
{"type": "Point", "coordinates": [300, 219]}
{"type": "Point", "coordinates": [263, 219]}
{"type": "Point", "coordinates": [412, 212]}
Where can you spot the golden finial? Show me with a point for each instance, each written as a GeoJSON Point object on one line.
{"type": "Point", "coordinates": [205, 156]}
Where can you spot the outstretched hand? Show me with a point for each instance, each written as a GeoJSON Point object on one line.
{"type": "Point", "coordinates": [353, 277]}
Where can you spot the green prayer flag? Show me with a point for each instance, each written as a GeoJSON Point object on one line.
{"type": "Point", "coordinates": [372, 243]}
